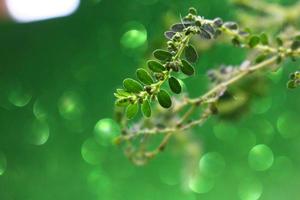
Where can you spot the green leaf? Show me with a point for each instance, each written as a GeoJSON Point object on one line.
{"type": "Point", "coordinates": [144, 76]}
{"type": "Point", "coordinates": [132, 110]}
{"type": "Point", "coordinates": [295, 45]}
{"type": "Point", "coordinates": [132, 85]}
{"type": "Point", "coordinates": [254, 40]}
{"type": "Point", "coordinates": [231, 25]}
{"type": "Point", "coordinates": [279, 41]}
{"type": "Point", "coordinates": [187, 68]}
{"type": "Point", "coordinates": [291, 84]}
{"type": "Point", "coordinates": [155, 66]}
{"type": "Point", "coordinates": [264, 39]}
{"type": "Point", "coordinates": [191, 54]}
{"type": "Point", "coordinates": [164, 99]}
{"type": "Point", "coordinates": [162, 55]}
{"type": "Point", "coordinates": [123, 93]}
{"type": "Point", "coordinates": [260, 58]}
{"type": "Point", "coordinates": [122, 102]}
{"type": "Point", "coordinates": [146, 109]}
{"type": "Point", "coordinates": [174, 85]}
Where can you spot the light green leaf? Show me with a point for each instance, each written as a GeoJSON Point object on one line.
{"type": "Point", "coordinates": [132, 85]}
{"type": "Point", "coordinates": [144, 76]}
{"type": "Point", "coordinates": [132, 110]}
{"type": "Point", "coordinates": [146, 109]}
{"type": "Point", "coordinates": [264, 39]}
{"type": "Point", "coordinates": [164, 99]}
{"type": "Point", "coordinates": [254, 40]}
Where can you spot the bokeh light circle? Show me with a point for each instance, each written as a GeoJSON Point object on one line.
{"type": "Point", "coordinates": [18, 95]}
{"type": "Point", "coordinates": [70, 106]}
{"type": "Point", "coordinates": [201, 184]}
{"type": "Point", "coordinates": [250, 189]}
{"type": "Point", "coordinates": [260, 157]}
{"type": "Point", "coordinates": [288, 125]}
{"type": "Point", "coordinates": [3, 163]}
{"type": "Point", "coordinates": [38, 132]}
{"type": "Point", "coordinates": [225, 131]}
{"type": "Point", "coordinates": [91, 152]}
{"type": "Point", "coordinates": [106, 131]}
{"type": "Point", "coordinates": [135, 36]}
{"type": "Point", "coordinates": [212, 164]}
{"type": "Point", "coordinates": [39, 109]}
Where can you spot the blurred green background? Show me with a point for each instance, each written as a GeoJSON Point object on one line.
{"type": "Point", "coordinates": [57, 79]}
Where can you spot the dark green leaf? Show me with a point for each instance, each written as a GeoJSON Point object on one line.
{"type": "Point", "coordinates": [236, 42]}
{"type": "Point", "coordinates": [254, 40]}
{"type": "Point", "coordinates": [264, 39]}
{"type": "Point", "coordinates": [279, 41]}
{"type": "Point", "coordinates": [291, 84]}
{"type": "Point", "coordinates": [146, 109]}
{"type": "Point", "coordinates": [132, 110]}
{"type": "Point", "coordinates": [187, 68]}
{"type": "Point", "coordinates": [231, 25]}
{"type": "Point", "coordinates": [155, 66]}
{"type": "Point", "coordinates": [162, 55]}
{"type": "Point", "coordinates": [144, 76]}
{"type": "Point", "coordinates": [191, 54]}
{"type": "Point", "coordinates": [204, 34]}
{"type": "Point", "coordinates": [218, 22]}
{"type": "Point", "coordinates": [132, 85]}
{"type": "Point", "coordinates": [174, 85]}
{"type": "Point", "coordinates": [180, 26]}
{"type": "Point", "coordinates": [295, 45]}
{"type": "Point", "coordinates": [164, 99]}
{"type": "Point", "coordinates": [260, 58]}
{"type": "Point", "coordinates": [209, 28]}
{"type": "Point", "coordinates": [169, 34]}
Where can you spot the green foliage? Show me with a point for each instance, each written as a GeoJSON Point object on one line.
{"type": "Point", "coordinates": [132, 85]}
{"type": "Point", "coordinates": [164, 99]}
{"type": "Point", "coordinates": [174, 85]}
{"type": "Point", "coordinates": [144, 76]}
{"type": "Point", "coordinates": [132, 110]}
{"type": "Point", "coordinates": [180, 54]}
{"type": "Point", "coordinates": [294, 81]}
{"type": "Point", "coordinates": [187, 68]}
{"type": "Point", "coordinates": [191, 54]}
{"type": "Point", "coordinates": [146, 109]}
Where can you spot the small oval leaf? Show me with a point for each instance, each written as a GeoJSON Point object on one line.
{"type": "Point", "coordinates": [146, 109]}
{"type": "Point", "coordinates": [254, 40]}
{"type": "Point", "coordinates": [187, 68]}
{"type": "Point", "coordinates": [144, 76]}
{"type": "Point", "coordinates": [132, 85]}
{"type": "Point", "coordinates": [164, 99]}
{"type": "Point", "coordinates": [162, 55]}
{"type": "Point", "coordinates": [291, 84]}
{"type": "Point", "coordinates": [155, 66]}
{"type": "Point", "coordinates": [122, 102]}
{"type": "Point", "coordinates": [169, 34]}
{"type": "Point", "coordinates": [191, 54]}
{"type": "Point", "coordinates": [174, 85]}
{"type": "Point", "coordinates": [132, 110]}
{"type": "Point", "coordinates": [264, 39]}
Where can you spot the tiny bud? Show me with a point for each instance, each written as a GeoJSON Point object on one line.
{"type": "Point", "coordinates": [193, 11]}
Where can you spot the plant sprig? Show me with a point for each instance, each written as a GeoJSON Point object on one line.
{"type": "Point", "coordinates": [179, 59]}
